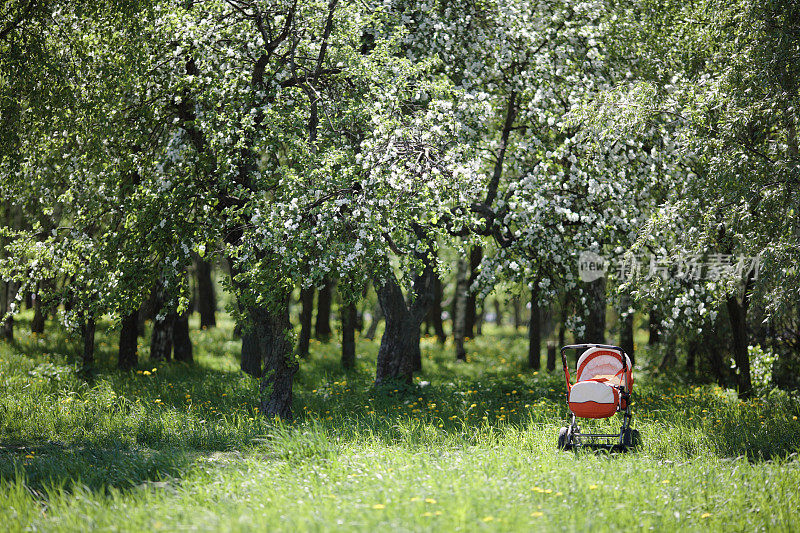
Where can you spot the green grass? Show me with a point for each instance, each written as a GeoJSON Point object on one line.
{"type": "Point", "coordinates": [468, 447]}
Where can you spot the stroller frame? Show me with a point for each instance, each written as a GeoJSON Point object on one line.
{"type": "Point", "coordinates": [571, 436]}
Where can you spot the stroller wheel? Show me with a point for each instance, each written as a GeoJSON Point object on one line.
{"type": "Point", "coordinates": [564, 439]}
{"type": "Point", "coordinates": [631, 438]}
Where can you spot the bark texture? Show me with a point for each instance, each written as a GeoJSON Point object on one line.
{"type": "Point", "coordinates": [206, 296]}
{"type": "Point", "coordinates": [322, 329]}
{"type": "Point", "coordinates": [161, 339]}
{"type": "Point", "coordinates": [471, 316]}
{"type": "Point", "coordinates": [87, 332]}
{"type": "Point", "coordinates": [626, 329]}
{"type": "Point", "coordinates": [349, 317]}
{"type": "Point", "coordinates": [273, 341]}
{"type": "Point", "coordinates": [37, 323]}
{"type": "Point", "coordinates": [459, 309]}
{"type": "Point", "coordinates": [399, 354]}
{"type": "Point", "coordinates": [306, 311]}
{"type": "Point", "coordinates": [181, 342]}
{"type": "Point", "coordinates": [737, 314]}
{"type": "Point", "coordinates": [251, 355]}
{"type": "Point", "coordinates": [128, 356]}
{"type": "Point", "coordinates": [535, 331]}
{"type": "Point", "coordinates": [435, 312]}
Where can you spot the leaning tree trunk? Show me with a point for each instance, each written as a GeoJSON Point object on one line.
{"type": "Point", "coordinates": [206, 297]}
{"type": "Point", "coordinates": [306, 310]}
{"type": "Point", "coordinates": [596, 307]}
{"type": "Point", "coordinates": [737, 314]}
{"type": "Point", "coordinates": [535, 331]}
{"type": "Point", "coordinates": [460, 309]}
{"type": "Point", "coordinates": [322, 329]}
{"type": "Point", "coordinates": [348, 316]}
{"type": "Point", "coordinates": [272, 330]}
{"type": "Point", "coordinates": [128, 342]}
{"type": "Point", "coordinates": [181, 342]}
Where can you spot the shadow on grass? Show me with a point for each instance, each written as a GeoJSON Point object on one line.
{"type": "Point", "coordinates": [53, 465]}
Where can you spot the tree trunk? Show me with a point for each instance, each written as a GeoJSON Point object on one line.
{"type": "Point", "coordinates": [206, 296]}
{"type": "Point", "coordinates": [737, 314]}
{"type": "Point", "coordinates": [435, 312]}
{"type": "Point", "coordinates": [691, 356]}
{"type": "Point", "coordinates": [323, 327]}
{"type": "Point", "coordinates": [400, 342]}
{"type": "Point", "coordinates": [399, 354]}
{"type": "Point", "coordinates": [377, 316]}
{"type": "Point", "coordinates": [655, 327]}
{"type": "Point", "coordinates": [596, 303]}
{"type": "Point", "coordinates": [87, 333]}
{"type": "Point", "coordinates": [670, 353]}
{"type": "Point", "coordinates": [37, 324]}
{"type": "Point", "coordinates": [181, 342]}
{"type": "Point", "coordinates": [272, 329]}
{"type": "Point", "coordinates": [551, 357]}
{"type": "Point", "coordinates": [161, 339]}
{"type": "Point", "coordinates": [517, 312]}
{"type": "Point", "coordinates": [348, 313]}
{"type": "Point", "coordinates": [626, 328]}
{"type": "Point", "coordinates": [7, 325]}
{"type": "Point", "coordinates": [460, 309]}
{"type": "Point", "coordinates": [535, 331]}
{"type": "Point", "coordinates": [498, 312]}
{"type": "Point", "coordinates": [251, 354]}
{"type": "Point", "coordinates": [475, 257]}
{"type": "Point", "coordinates": [128, 342]}
{"type": "Point", "coordinates": [306, 310]}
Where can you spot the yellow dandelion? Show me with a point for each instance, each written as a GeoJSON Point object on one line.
{"type": "Point", "coordinates": [537, 514]}
{"type": "Point", "coordinates": [29, 456]}
{"type": "Point", "coordinates": [665, 482]}
{"type": "Point", "coordinates": [705, 515]}
{"type": "Point", "coordinates": [428, 513]}
{"type": "Point", "coordinates": [379, 506]}
{"type": "Point", "coordinates": [146, 372]}
{"type": "Point", "coordinates": [430, 500]}
{"type": "Point", "coordinates": [488, 518]}
{"type": "Point", "coordinates": [592, 487]}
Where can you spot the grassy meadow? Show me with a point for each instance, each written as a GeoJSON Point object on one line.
{"type": "Point", "coordinates": [469, 447]}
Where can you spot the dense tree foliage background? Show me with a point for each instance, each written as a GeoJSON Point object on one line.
{"type": "Point", "coordinates": [434, 162]}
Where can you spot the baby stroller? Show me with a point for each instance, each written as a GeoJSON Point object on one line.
{"type": "Point", "coordinates": [602, 388]}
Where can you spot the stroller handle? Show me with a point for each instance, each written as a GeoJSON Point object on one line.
{"type": "Point", "coordinates": [581, 346]}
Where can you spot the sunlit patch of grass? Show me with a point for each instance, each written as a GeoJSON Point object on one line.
{"type": "Point", "coordinates": [467, 446]}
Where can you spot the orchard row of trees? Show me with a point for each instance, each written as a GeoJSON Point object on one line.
{"type": "Point", "coordinates": [400, 145]}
